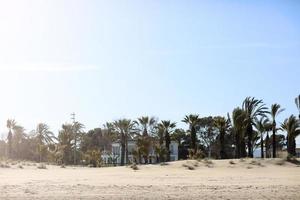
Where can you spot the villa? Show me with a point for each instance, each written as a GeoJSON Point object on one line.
{"type": "Point", "coordinates": [113, 156]}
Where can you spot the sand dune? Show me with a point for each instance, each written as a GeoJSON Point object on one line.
{"type": "Point", "coordinates": [238, 179]}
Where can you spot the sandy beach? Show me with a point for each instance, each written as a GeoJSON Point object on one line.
{"type": "Point", "coordinates": [236, 179]}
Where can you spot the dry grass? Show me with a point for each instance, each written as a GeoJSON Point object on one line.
{"type": "Point", "coordinates": [134, 167]}
{"type": "Point", "coordinates": [280, 162]}
{"type": "Point", "coordinates": [4, 165]}
{"type": "Point", "coordinates": [42, 166]}
{"type": "Point", "coordinates": [232, 162]}
{"type": "Point", "coordinates": [188, 166]}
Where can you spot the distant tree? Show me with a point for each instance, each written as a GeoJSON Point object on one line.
{"type": "Point", "coordinates": [253, 108]}
{"type": "Point", "coordinates": [18, 139]}
{"type": "Point", "coordinates": [193, 122]}
{"type": "Point", "coordinates": [238, 128]}
{"type": "Point", "coordinates": [179, 135]}
{"type": "Point", "coordinates": [297, 102]}
{"type": "Point", "coordinates": [207, 133]}
{"type": "Point", "coordinates": [260, 126]}
{"type": "Point", "coordinates": [168, 127]}
{"type": "Point", "coordinates": [222, 125]}
{"type": "Point", "coordinates": [77, 129]}
{"type": "Point", "coordinates": [146, 124]}
{"type": "Point", "coordinates": [125, 127]}
{"type": "Point", "coordinates": [275, 111]}
{"type": "Point", "coordinates": [10, 124]}
{"type": "Point", "coordinates": [65, 137]}
{"type": "Point", "coordinates": [43, 136]}
{"type": "Point", "coordinates": [292, 127]}
{"type": "Point", "coordinates": [145, 127]}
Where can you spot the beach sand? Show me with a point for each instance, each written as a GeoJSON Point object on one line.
{"type": "Point", "coordinates": [240, 179]}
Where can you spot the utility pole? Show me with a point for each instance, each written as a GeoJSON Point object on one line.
{"type": "Point", "coordinates": [75, 136]}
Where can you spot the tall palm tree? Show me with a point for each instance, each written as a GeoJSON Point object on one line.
{"type": "Point", "coordinates": [10, 124]}
{"type": "Point", "coordinates": [125, 127]}
{"type": "Point", "coordinates": [65, 137]}
{"type": "Point", "coordinates": [238, 119]}
{"type": "Point", "coordinates": [147, 124]}
{"type": "Point", "coordinates": [297, 102]}
{"type": "Point", "coordinates": [222, 125]}
{"type": "Point", "coordinates": [43, 136]}
{"type": "Point", "coordinates": [260, 126]}
{"type": "Point", "coordinates": [292, 127]}
{"type": "Point", "coordinates": [77, 128]}
{"type": "Point", "coordinates": [275, 111]}
{"type": "Point", "coordinates": [193, 122]}
{"type": "Point", "coordinates": [168, 128]}
{"type": "Point", "coordinates": [253, 108]}
{"type": "Point", "coordinates": [18, 138]}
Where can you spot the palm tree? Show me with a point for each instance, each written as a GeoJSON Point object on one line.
{"type": "Point", "coordinates": [147, 124]}
{"type": "Point", "coordinates": [253, 108]}
{"type": "Point", "coordinates": [193, 122]}
{"type": "Point", "coordinates": [77, 128]}
{"type": "Point", "coordinates": [292, 127]}
{"type": "Point", "coordinates": [260, 126]}
{"type": "Point", "coordinates": [167, 127]}
{"type": "Point", "coordinates": [65, 137]}
{"type": "Point", "coordinates": [43, 136]}
{"type": "Point", "coordinates": [19, 137]}
{"type": "Point", "coordinates": [297, 102]}
{"type": "Point", "coordinates": [275, 111]}
{"type": "Point", "coordinates": [222, 125]}
{"type": "Point", "coordinates": [238, 119]}
{"type": "Point", "coordinates": [124, 127]}
{"type": "Point", "coordinates": [10, 124]}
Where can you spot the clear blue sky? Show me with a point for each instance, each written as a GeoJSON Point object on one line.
{"type": "Point", "coordinates": [109, 59]}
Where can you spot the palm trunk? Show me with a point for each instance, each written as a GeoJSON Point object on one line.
{"type": "Point", "coordinates": [261, 146]}
{"type": "Point", "coordinates": [75, 143]}
{"type": "Point", "coordinates": [250, 138]}
{"type": "Point", "coordinates": [193, 140]}
{"type": "Point", "coordinates": [274, 141]}
{"type": "Point", "coordinates": [126, 150]}
{"type": "Point", "coordinates": [222, 145]}
{"type": "Point", "coordinates": [237, 146]}
{"type": "Point", "coordinates": [243, 148]}
{"type": "Point", "coordinates": [122, 149]}
{"type": "Point", "coordinates": [168, 141]}
{"type": "Point", "coordinates": [267, 145]}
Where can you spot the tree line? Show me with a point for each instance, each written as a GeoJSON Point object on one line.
{"type": "Point", "coordinates": [252, 125]}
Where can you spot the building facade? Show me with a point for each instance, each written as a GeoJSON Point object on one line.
{"type": "Point", "coordinates": [114, 155]}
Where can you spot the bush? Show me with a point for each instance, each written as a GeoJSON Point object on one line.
{"type": "Point", "coordinates": [164, 164]}
{"type": "Point", "coordinates": [197, 156]}
{"type": "Point", "coordinates": [42, 166]}
{"type": "Point", "coordinates": [93, 158]}
{"type": "Point", "coordinates": [293, 160]}
{"type": "Point", "coordinates": [134, 167]}
{"type": "Point", "coordinates": [20, 166]}
{"type": "Point", "coordinates": [190, 167]}
{"type": "Point", "coordinates": [4, 165]}
{"type": "Point", "coordinates": [232, 162]}
{"type": "Point", "coordinates": [255, 162]}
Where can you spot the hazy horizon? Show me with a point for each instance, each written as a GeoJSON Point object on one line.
{"type": "Point", "coordinates": [105, 60]}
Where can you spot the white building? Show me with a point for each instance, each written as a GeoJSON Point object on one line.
{"type": "Point", "coordinates": [114, 155]}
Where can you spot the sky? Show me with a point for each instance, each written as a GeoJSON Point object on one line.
{"type": "Point", "coordinates": [106, 60]}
